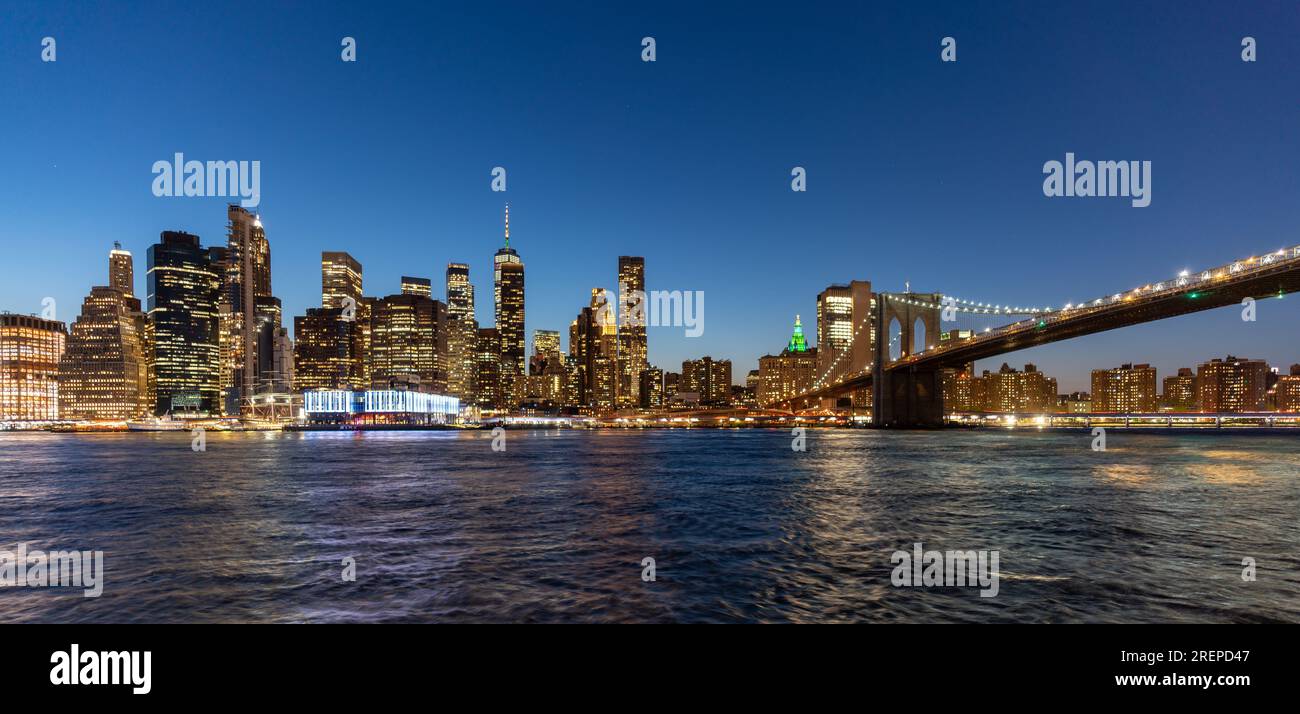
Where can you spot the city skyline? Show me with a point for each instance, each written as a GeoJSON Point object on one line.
{"type": "Point", "coordinates": [123, 279]}
{"type": "Point", "coordinates": [607, 167]}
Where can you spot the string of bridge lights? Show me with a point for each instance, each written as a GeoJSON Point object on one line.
{"type": "Point", "coordinates": [831, 369]}
{"type": "Point", "coordinates": [1183, 279]}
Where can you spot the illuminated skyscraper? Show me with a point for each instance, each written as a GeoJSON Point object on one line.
{"type": "Point", "coordinates": [845, 331]}
{"type": "Point", "coordinates": [327, 351]}
{"type": "Point", "coordinates": [546, 350]}
{"type": "Point", "coordinates": [30, 351]}
{"type": "Point", "coordinates": [709, 378]}
{"type": "Point", "coordinates": [246, 277]}
{"type": "Point", "coordinates": [104, 373]}
{"type": "Point", "coordinates": [487, 364]}
{"type": "Point", "coordinates": [787, 374]}
{"type": "Point", "coordinates": [184, 288]}
{"type": "Point", "coordinates": [408, 343]}
{"type": "Point", "coordinates": [462, 334]}
{"type": "Point", "coordinates": [601, 351]}
{"type": "Point", "coordinates": [508, 281]}
{"type": "Point", "coordinates": [422, 287]}
{"type": "Point", "coordinates": [632, 345]}
{"type": "Point", "coordinates": [340, 277]}
{"type": "Point", "coordinates": [121, 270]}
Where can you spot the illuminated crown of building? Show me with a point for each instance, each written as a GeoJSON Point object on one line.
{"type": "Point", "coordinates": [797, 342]}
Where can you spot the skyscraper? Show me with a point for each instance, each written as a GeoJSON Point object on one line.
{"type": "Point", "coordinates": [462, 334]}
{"type": "Point", "coordinates": [184, 288]}
{"type": "Point", "coordinates": [327, 351]}
{"type": "Point", "coordinates": [487, 364]}
{"type": "Point", "coordinates": [601, 351]}
{"type": "Point", "coordinates": [121, 270]}
{"type": "Point", "coordinates": [632, 346]}
{"type": "Point", "coordinates": [417, 286]}
{"type": "Point", "coordinates": [408, 343]}
{"type": "Point", "coordinates": [709, 378]}
{"type": "Point", "coordinates": [546, 350]}
{"type": "Point", "coordinates": [30, 350]}
{"type": "Point", "coordinates": [787, 374]}
{"type": "Point", "coordinates": [104, 373]}
{"type": "Point", "coordinates": [247, 277]}
{"type": "Point", "coordinates": [340, 277]}
{"type": "Point", "coordinates": [508, 281]}
{"type": "Point", "coordinates": [845, 331]}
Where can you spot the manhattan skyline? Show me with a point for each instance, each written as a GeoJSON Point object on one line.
{"type": "Point", "coordinates": [685, 161]}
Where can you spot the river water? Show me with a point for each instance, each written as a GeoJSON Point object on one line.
{"type": "Point", "coordinates": [741, 528]}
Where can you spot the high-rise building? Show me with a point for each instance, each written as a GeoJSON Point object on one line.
{"type": "Point", "coordinates": [582, 347]}
{"type": "Point", "coordinates": [651, 392]}
{"type": "Point", "coordinates": [845, 331]}
{"type": "Point", "coordinates": [546, 350]}
{"type": "Point", "coordinates": [709, 378]}
{"type": "Point", "coordinates": [327, 351]}
{"type": "Point", "coordinates": [601, 352]}
{"type": "Point", "coordinates": [1180, 391]}
{"type": "Point", "coordinates": [1232, 385]}
{"type": "Point", "coordinates": [340, 278]}
{"type": "Point", "coordinates": [121, 270]}
{"type": "Point", "coordinates": [30, 351]}
{"type": "Point", "coordinates": [487, 364]}
{"type": "Point", "coordinates": [104, 374]}
{"type": "Point", "coordinates": [1128, 389]}
{"type": "Point", "coordinates": [632, 345]}
{"type": "Point", "coordinates": [408, 343]}
{"type": "Point", "coordinates": [184, 289]}
{"type": "Point", "coordinates": [422, 287]}
{"type": "Point", "coordinates": [462, 334]}
{"type": "Point", "coordinates": [788, 374]}
{"type": "Point", "coordinates": [246, 276]}
{"type": "Point", "coordinates": [508, 283]}
{"type": "Point", "coordinates": [1288, 390]}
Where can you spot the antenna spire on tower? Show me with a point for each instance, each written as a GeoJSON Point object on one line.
{"type": "Point", "coordinates": [507, 224]}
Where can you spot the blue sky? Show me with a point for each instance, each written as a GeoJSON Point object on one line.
{"type": "Point", "coordinates": [917, 170]}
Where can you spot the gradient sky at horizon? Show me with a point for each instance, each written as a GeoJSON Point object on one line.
{"type": "Point", "coordinates": [918, 170]}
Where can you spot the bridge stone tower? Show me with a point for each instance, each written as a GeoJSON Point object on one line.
{"type": "Point", "coordinates": [906, 397]}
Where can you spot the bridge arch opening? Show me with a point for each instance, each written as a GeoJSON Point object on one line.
{"type": "Point", "coordinates": [895, 338]}
{"type": "Point", "coordinates": [918, 336]}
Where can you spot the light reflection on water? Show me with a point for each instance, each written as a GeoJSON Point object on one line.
{"type": "Point", "coordinates": [741, 527]}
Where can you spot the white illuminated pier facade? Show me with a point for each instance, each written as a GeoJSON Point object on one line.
{"type": "Point", "coordinates": [379, 407]}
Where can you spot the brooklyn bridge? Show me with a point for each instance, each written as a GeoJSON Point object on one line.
{"type": "Point", "coordinates": [906, 388]}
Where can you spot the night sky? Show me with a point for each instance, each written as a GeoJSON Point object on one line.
{"type": "Point", "coordinates": [917, 170]}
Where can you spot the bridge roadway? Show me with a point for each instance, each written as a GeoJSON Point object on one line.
{"type": "Point", "coordinates": [1271, 275]}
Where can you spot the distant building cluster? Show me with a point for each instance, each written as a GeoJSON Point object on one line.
{"type": "Point", "coordinates": [1230, 385]}
{"type": "Point", "coordinates": [210, 341]}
